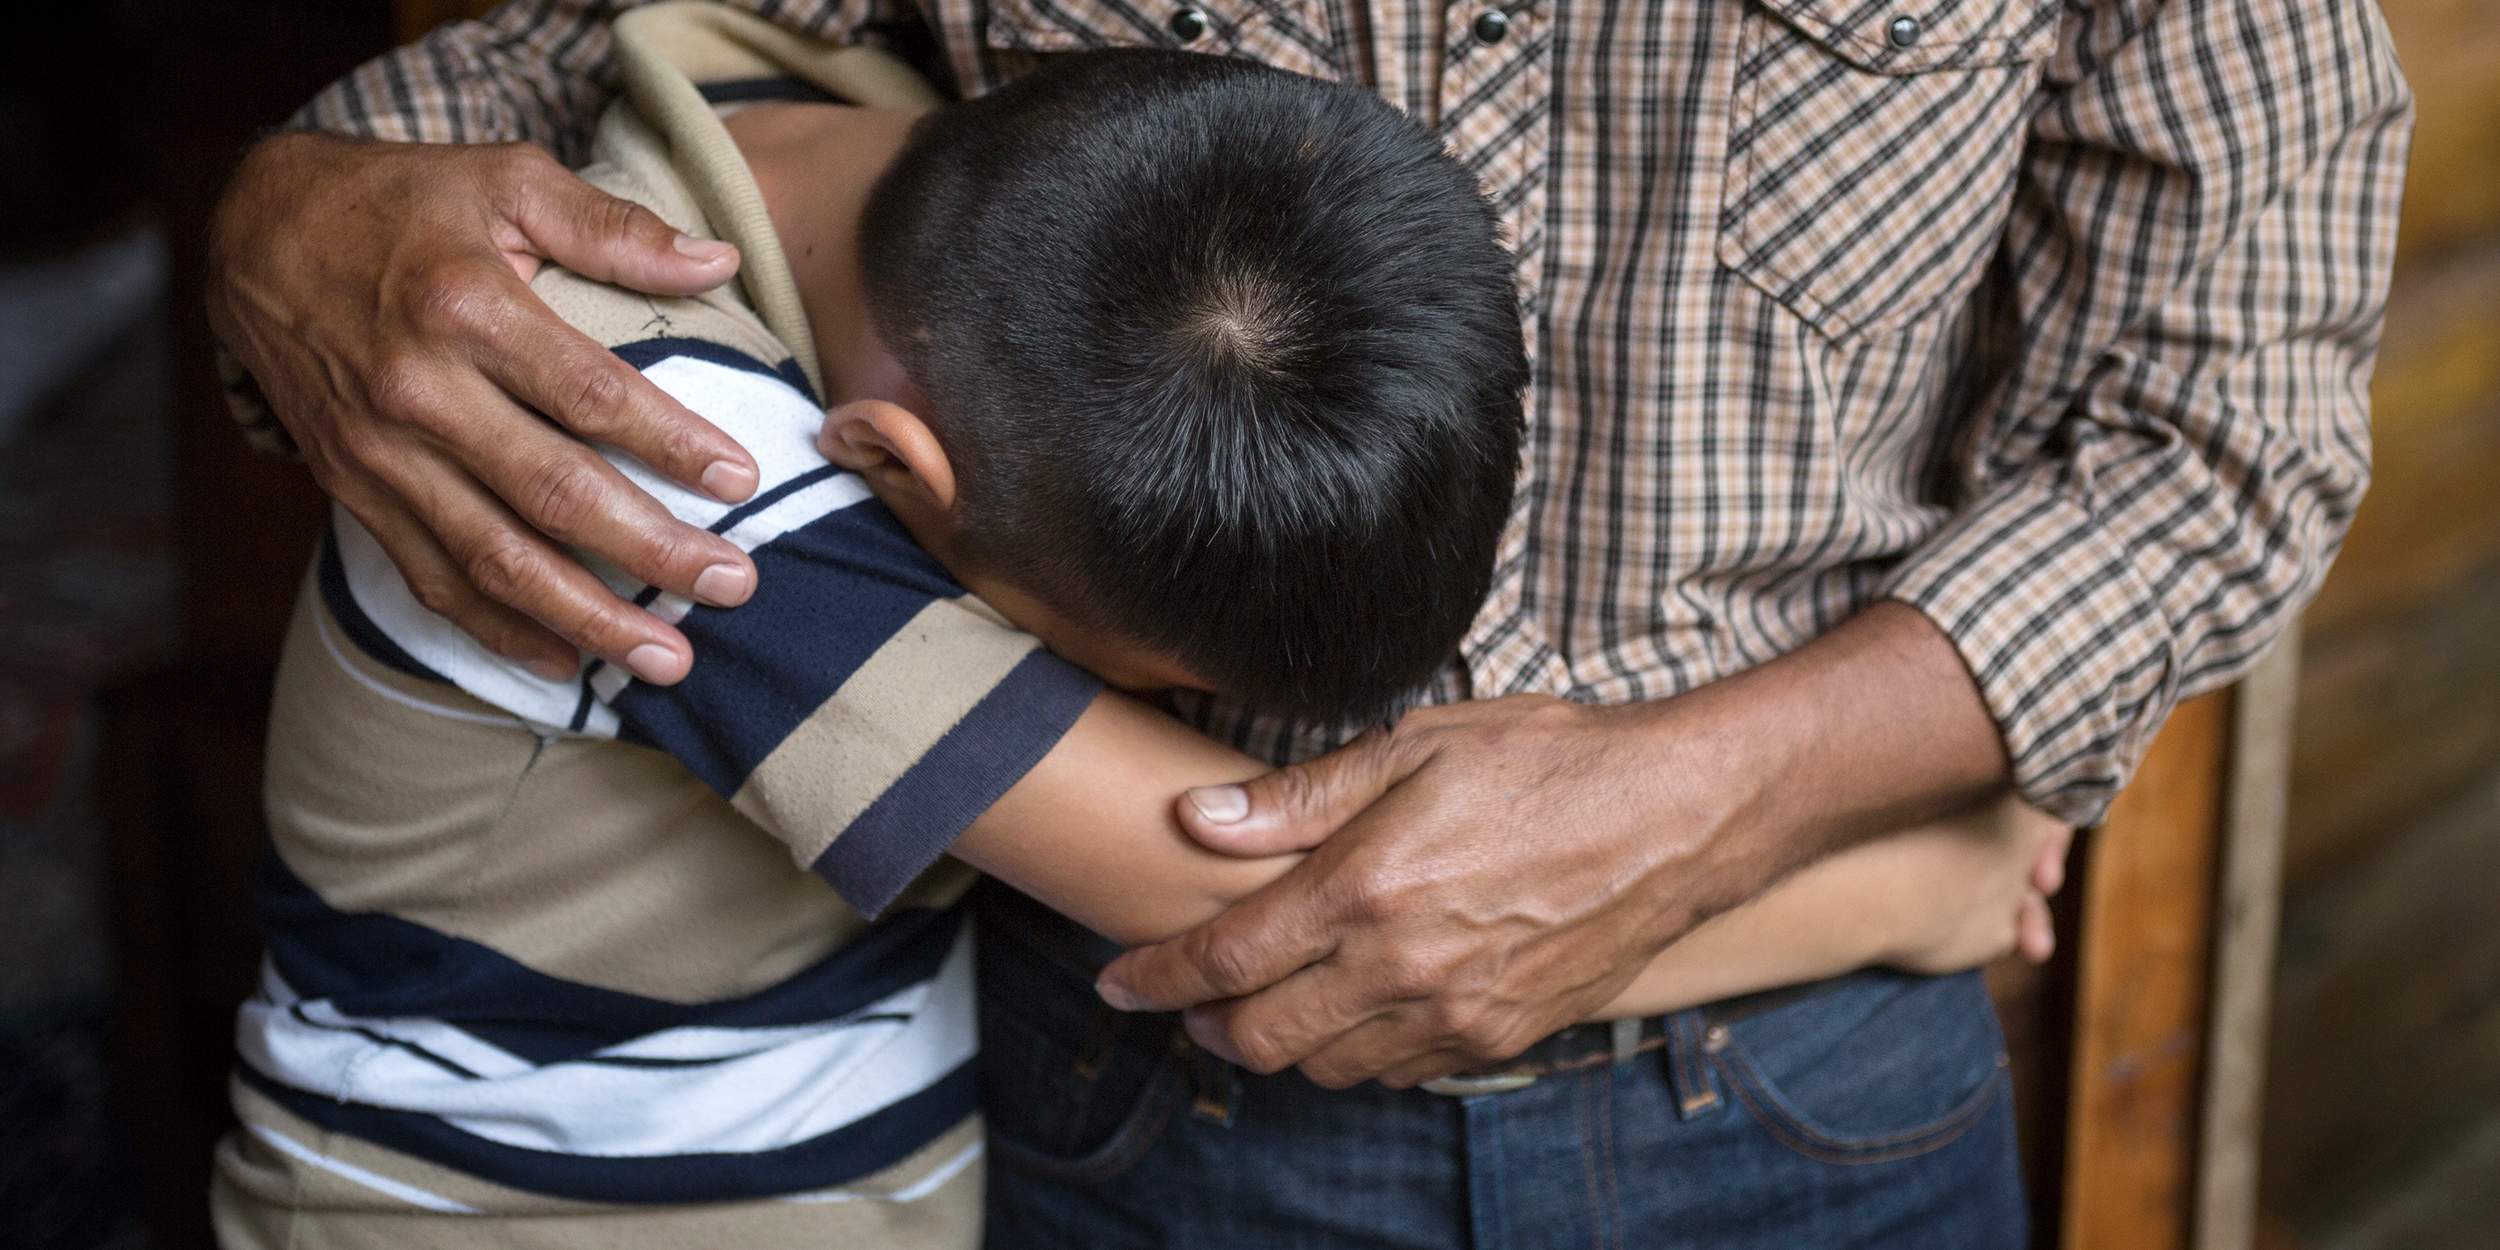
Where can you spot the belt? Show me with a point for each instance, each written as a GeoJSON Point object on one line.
{"type": "Point", "coordinates": [1580, 1046]}
{"type": "Point", "coordinates": [1588, 1045]}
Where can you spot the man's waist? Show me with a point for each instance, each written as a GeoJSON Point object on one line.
{"type": "Point", "coordinates": [1081, 953]}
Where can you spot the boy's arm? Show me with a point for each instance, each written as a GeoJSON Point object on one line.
{"type": "Point", "coordinates": [1090, 832]}
{"type": "Point", "coordinates": [1939, 898]}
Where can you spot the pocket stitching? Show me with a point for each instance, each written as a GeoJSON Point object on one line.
{"type": "Point", "coordinates": [1137, 1134]}
{"type": "Point", "coordinates": [1790, 1129]}
{"type": "Point", "coordinates": [1022, 26]}
{"type": "Point", "coordinates": [1740, 233]}
{"type": "Point", "coordinates": [1879, 56]}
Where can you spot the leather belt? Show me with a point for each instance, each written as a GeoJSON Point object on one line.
{"type": "Point", "coordinates": [1580, 1046]}
{"type": "Point", "coordinates": [1587, 1045]}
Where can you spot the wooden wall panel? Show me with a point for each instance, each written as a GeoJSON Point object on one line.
{"type": "Point", "coordinates": [2141, 1005]}
{"type": "Point", "coordinates": [2386, 1047]}
{"type": "Point", "coordinates": [2400, 700]}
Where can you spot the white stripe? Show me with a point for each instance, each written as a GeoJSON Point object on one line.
{"type": "Point", "coordinates": [816, 499]}
{"type": "Point", "coordinates": [770, 418]}
{"type": "Point", "coordinates": [913, 1192]}
{"type": "Point", "coordinates": [409, 1194]}
{"type": "Point", "coordinates": [767, 416]}
{"type": "Point", "coordinates": [768, 1088]}
{"type": "Point", "coordinates": [547, 706]}
{"type": "Point", "coordinates": [330, 644]}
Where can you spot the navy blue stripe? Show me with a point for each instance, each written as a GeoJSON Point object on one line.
{"type": "Point", "coordinates": [740, 90]}
{"type": "Point", "coordinates": [650, 352]}
{"type": "Point", "coordinates": [774, 496]}
{"type": "Point", "coordinates": [340, 598]}
{"type": "Point", "coordinates": [828, 594]}
{"type": "Point", "coordinates": [871, 1144]}
{"type": "Point", "coordinates": [374, 965]}
{"type": "Point", "coordinates": [581, 706]}
{"type": "Point", "coordinates": [946, 789]}
{"type": "Point", "coordinates": [396, 1043]}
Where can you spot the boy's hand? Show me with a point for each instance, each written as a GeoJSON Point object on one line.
{"type": "Point", "coordinates": [1988, 873]}
{"type": "Point", "coordinates": [378, 292]}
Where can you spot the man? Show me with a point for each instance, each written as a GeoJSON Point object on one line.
{"type": "Point", "coordinates": [1926, 399]}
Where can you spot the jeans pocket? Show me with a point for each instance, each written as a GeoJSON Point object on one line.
{"type": "Point", "coordinates": [1886, 1066]}
{"type": "Point", "coordinates": [1072, 1091]}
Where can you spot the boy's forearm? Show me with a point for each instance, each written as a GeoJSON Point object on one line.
{"type": "Point", "coordinates": [1090, 833]}
{"type": "Point", "coordinates": [1940, 897]}
{"type": "Point", "coordinates": [1826, 920]}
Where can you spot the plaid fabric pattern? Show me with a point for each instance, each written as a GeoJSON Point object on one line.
{"type": "Point", "coordinates": [2053, 318]}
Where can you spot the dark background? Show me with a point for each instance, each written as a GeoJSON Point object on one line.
{"type": "Point", "coordinates": [147, 561]}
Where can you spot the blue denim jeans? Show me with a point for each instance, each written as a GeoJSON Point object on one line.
{"type": "Point", "coordinates": [1872, 1110]}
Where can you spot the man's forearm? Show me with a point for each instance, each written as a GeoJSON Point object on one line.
{"type": "Point", "coordinates": [1873, 727]}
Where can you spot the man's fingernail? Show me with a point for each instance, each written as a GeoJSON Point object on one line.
{"type": "Point", "coordinates": [1118, 997]}
{"type": "Point", "coordinates": [549, 670]}
{"type": "Point", "coordinates": [722, 585]}
{"type": "Point", "coordinates": [1221, 804]}
{"type": "Point", "coordinates": [704, 250]}
{"type": "Point", "coordinates": [652, 663]}
{"type": "Point", "coordinates": [728, 482]}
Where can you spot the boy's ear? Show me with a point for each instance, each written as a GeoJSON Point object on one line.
{"type": "Point", "coordinates": [888, 443]}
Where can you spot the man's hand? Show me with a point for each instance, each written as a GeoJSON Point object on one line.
{"type": "Point", "coordinates": [379, 294]}
{"type": "Point", "coordinates": [1485, 873]}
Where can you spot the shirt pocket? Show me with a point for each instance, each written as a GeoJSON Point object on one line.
{"type": "Point", "coordinates": [1872, 149]}
{"type": "Point", "coordinates": [1288, 34]}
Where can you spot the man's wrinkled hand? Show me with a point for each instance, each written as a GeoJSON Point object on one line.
{"type": "Point", "coordinates": [1484, 873]}
{"type": "Point", "coordinates": [378, 293]}
{"type": "Point", "coordinates": [1431, 930]}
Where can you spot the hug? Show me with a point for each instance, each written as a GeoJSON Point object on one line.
{"type": "Point", "coordinates": [1368, 646]}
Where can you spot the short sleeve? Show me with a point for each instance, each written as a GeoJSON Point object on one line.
{"type": "Point", "coordinates": [861, 705]}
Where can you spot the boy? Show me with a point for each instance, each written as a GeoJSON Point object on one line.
{"type": "Point", "coordinates": [1200, 374]}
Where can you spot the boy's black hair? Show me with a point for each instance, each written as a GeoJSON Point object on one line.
{"type": "Point", "coordinates": [1226, 359]}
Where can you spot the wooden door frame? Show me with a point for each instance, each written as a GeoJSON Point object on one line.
{"type": "Point", "coordinates": [2180, 907]}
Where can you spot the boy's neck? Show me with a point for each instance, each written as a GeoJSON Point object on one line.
{"type": "Point", "coordinates": [815, 163]}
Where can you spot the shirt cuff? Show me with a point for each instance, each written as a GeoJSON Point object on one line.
{"type": "Point", "coordinates": [2066, 640]}
{"type": "Point", "coordinates": [909, 826]}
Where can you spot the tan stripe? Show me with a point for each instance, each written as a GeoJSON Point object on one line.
{"type": "Point", "coordinates": [613, 315]}
{"type": "Point", "coordinates": [588, 860]}
{"type": "Point", "coordinates": [711, 43]}
{"type": "Point", "coordinates": [652, 47]}
{"type": "Point", "coordinates": [264, 1199]}
{"type": "Point", "coordinates": [891, 711]}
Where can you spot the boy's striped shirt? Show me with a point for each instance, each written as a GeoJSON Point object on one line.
{"type": "Point", "coordinates": [574, 944]}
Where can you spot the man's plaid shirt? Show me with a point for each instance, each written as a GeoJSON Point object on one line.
{"type": "Point", "coordinates": [2053, 318]}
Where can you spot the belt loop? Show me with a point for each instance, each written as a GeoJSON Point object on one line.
{"type": "Point", "coordinates": [1688, 1071]}
{"type": "Point", "coordinates": [1219, 1088]}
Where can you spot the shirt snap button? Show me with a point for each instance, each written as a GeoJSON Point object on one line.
{"type": "Point", "coordinates": [1904, 31]}
{"type": "Point", "coordinates": [1491, 25]}
{"type": "Point", "coordinates": [1188, 24]}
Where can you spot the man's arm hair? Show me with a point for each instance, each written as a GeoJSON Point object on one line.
{"type": "Point", "coordinates": [2196, 265]}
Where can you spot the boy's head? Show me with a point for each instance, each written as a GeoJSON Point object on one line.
{"type": "Point", "coordinates": [1224, 362]}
